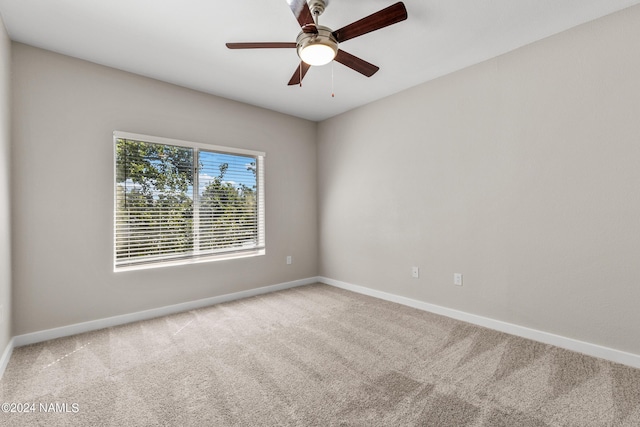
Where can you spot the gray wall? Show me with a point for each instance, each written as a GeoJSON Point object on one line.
{"type": "Point", "coordinates": [5, 194]}
{"type": "Point", "coordinates": [65, 111]}
{"type": "Point", "coordinates": [522, 173]}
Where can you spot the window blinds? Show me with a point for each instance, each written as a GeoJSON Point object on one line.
{"type": "Point", "coordinates": [176, 200]}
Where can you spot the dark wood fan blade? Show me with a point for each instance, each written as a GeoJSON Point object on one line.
{"type": "Point", "coordinates": [299, 75]}
{"type": "Point", "coordinates": [383, 18]}
{"type": "Point", "coordinates": [355, 63]}
{"type": "Point", "coordinates": [301, 11]}
{"type": "Point", "coordinates": [261, 45]}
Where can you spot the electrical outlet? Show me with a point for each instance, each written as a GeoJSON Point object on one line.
{"type": "Point", "coordinates": [289, 260]}
{"type": "Point", "coordinates": [415, 272]}
{"type": "Point", "coordinates": [457, 279]}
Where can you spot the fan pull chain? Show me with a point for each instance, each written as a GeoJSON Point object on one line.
{"type": "Point", "coordinates": [333, 95]}
{"type": "Point", "coordinates": [300, 68]}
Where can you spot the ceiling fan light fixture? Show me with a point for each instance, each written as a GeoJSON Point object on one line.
{"type": "Point", "coordinates": [317, 54]}
{"type": "Point", "coordinates": [317, 49]}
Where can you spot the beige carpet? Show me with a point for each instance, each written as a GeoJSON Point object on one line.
{"type": "Point", "coordinates": [314, 355]}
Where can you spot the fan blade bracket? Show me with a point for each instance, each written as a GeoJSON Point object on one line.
{"type": "Point", "coordinates": [310, 29]}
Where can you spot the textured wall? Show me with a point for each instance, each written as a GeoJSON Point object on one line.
{"type": "Point", "coordinates": [522, 173]}
{"type": "Point", "coordinates": [65, 111]}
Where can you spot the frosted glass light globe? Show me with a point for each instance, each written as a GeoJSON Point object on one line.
{"type": "Point", "coordinates": [317, 54]}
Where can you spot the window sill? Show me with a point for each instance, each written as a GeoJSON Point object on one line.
{"type": "Point", "coordinates": [187, 261]}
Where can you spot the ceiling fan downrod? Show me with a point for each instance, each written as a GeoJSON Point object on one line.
{"type": "Point", "coordinates": [317, 7]}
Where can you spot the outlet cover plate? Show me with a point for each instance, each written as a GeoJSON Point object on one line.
{"type": "Point", "coordinates": [457, 279]}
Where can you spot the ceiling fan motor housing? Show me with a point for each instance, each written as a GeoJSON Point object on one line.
{"type": "Point", "coordinates": [323, 39]}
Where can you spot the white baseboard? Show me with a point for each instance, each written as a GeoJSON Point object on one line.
{"type": "Point", "coordinates": [93, 325]}
{"type": "Point", "coordinates": [583, 347]}
{"type": "Point", "coordinates": [6, 355]}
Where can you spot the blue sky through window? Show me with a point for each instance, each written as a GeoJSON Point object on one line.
{"type": "Point", "coordinates": [240, 169]}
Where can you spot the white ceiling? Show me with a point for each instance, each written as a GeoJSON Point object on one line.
{"type": "Point", "coordinates": [183, 42]}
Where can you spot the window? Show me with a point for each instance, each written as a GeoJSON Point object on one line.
{"type": "Point", "coordinates": [178, 201]}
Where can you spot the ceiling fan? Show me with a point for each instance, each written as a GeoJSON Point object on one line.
{"type": "Point", "coordinates": [318, 45]}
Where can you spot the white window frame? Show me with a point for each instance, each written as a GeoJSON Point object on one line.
{"type": "Point", "coordinates": [195, 257]}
